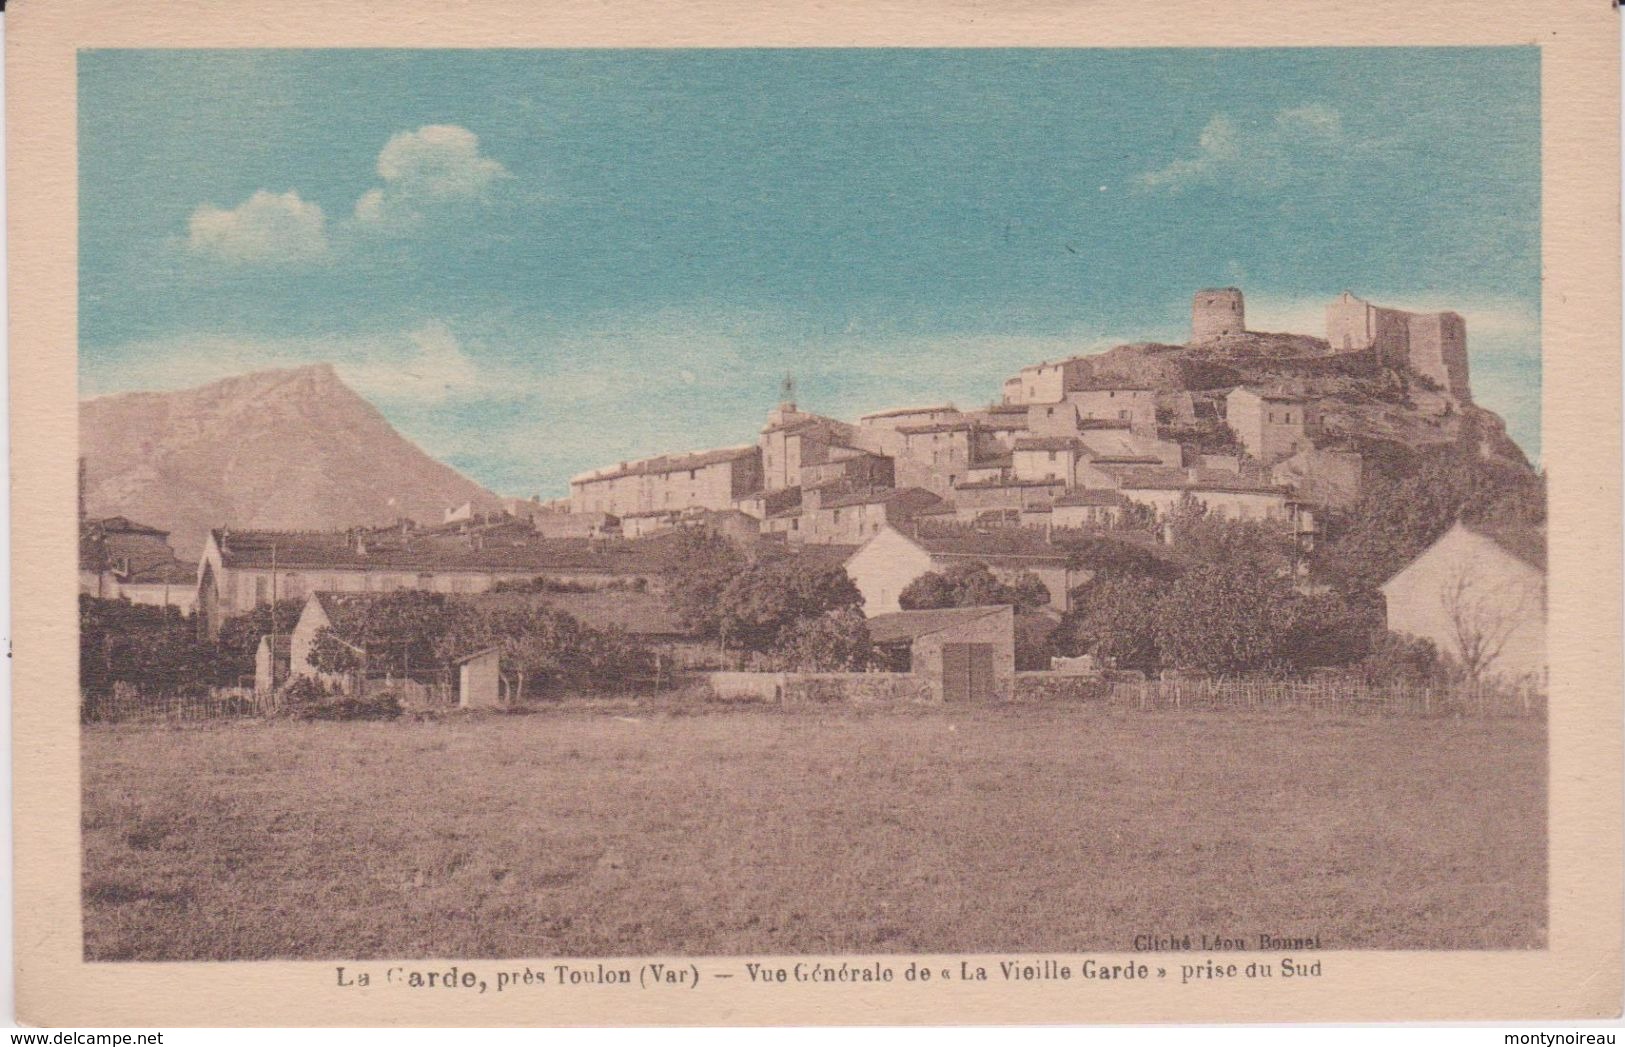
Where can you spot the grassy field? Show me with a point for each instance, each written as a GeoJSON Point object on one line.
{"type": "Point", "coordinates": [575, 832]}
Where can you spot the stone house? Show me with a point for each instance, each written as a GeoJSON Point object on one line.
{"type": "Point", "coordinates": [909, 416]}
{"type": "Point", "coordinates": [1271, 425]}
{"type": "Point", "coordinates": [122, 559]}
{"type": "Point", "coordinates": [849, 518]}
{"type": "Point", "coordinates": [1083, 507]}
{"type": "Point", "coordinates": [997, 428]}
{"type": "Point", "coordinates": [575, 525]}
{"type": "Point", "coordinates": [885, 565]}
{"type": "Point", "coordinates": [1322, 477]}
{"type": "Point", "coordinates": [1479, 594]}
{"type": "Point", "coordinates": [701, 480]}
{"type": "Point", "coordinates": [340, 612]}
{"type": "Point", "coordinates": [1133, 404]}
{"type": "Point", "coordinates": [975, 497]}
{"type": "Point", "coordinates": [1051, 420]}
{"type": "Point", "coordinates": [1047, 458]}
{"type": "Point", "coordinates": [1046, 383]}
{"type": "Point", "coordinates": [241, 570]}
{"type": "Point", "coordinates": [1229, 496]}
{"type": "Point", "coordinates": [966, 654]}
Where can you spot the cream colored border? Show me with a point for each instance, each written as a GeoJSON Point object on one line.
{"type": "Point", "coordinates": [1578, 976]}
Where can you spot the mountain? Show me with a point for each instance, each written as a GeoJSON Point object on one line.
{"type": "Point", "coordinates": [294, 449]}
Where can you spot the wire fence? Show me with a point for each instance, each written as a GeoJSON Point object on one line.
{"type": "Point", "coordinates": [126, 705]}
{"type": "Point", "coordinates": [1482, 699]}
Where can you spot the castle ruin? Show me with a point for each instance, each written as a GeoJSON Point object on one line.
{"type": "Point", "coordinates": [1433, 345]}
{"type": "Point", "coordinates": [1217, 312]}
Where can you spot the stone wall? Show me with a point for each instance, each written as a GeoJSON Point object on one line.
{"type": "Point", "coordinates": [1060, 687]}
{"type": "Point", "coordinates": [822, 688]}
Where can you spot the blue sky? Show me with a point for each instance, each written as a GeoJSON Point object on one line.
{"type": "Point", "coordinates": [536, 262]}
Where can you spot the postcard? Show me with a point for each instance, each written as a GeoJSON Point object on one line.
{"type": "Point", "coordinates": [608, 514]}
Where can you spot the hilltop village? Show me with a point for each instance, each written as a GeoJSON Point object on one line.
{"type": "Point", "coordinates": [1237, 425]}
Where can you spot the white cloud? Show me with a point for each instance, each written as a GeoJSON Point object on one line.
{"type": "Point", "coordinates": [1294, 142]}
{"type": "Point", "coordinates": [425, 172]}
{"type": "Point", "coordinates": [427, 366]}
{"type": "Point", "coordinates": [266, 229]}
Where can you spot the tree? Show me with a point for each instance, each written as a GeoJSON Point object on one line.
{"type": "Point", "coordinates": [834, 642]}
{"type": "Point", "coordinates": [1114, 617]}
{"type": "Point", "coordinates": [703, 564]}
{"type": "Point", "coordinates": [1483, 613]}
{"type": "Point", "coordinates": [1221, 618]}
{"type": "Point", "coordinates": [759, 604]}
{"type": "Point", "coordinates": [1407, 504]}
{"type": "Point", "coordinates": [238, 642]}
{"type": "Point", "coordinates": [1108, 555]}
{"type": "Point", "coordinates": [973, 585]}
{"type": "Point", "coordinates": [154, 648]}
{"type": "Point", "coordinates": [1265, 546]}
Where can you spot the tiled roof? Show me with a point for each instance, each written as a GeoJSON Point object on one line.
{"type": "Point", "coordinates": [902, 500]}
{"type": "Point", "coordinates": [939, 427]}
{"type": "Point", "coordinates": [1046, 443]}
{"type": "Point", "coordinates": [1003, 544]}
{"type": "Point", "coordinates": [394, 550]}
{"type": "Point", "coordinates": [995, 485]}
{"type": "Point", "coordinates": [908, 626]}
{"type": "Point", "coordinates": [1170, 479]}
{"type": "Point", "coordinates": [124, 525]}
{"type": "Point", "coordinates": [173, 572]}
{"type": "Point", "coordinates": [898, 412]}
{"type": "Point", "coordinates": [667, 463]}
{"type": "Point", "coordinates": [1526, 543]}
{"type": "Point", "coordinates": [821, 554]}
{"type": "Point", "coordinates": [1125, 459]}
{"type": "Point", "coordinates": [1088, 496]}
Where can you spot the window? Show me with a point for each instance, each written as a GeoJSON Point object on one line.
{"type": "Point", "coordinates": [1122, 416]}
{"type": "Point", "coordinates": [259, 591]}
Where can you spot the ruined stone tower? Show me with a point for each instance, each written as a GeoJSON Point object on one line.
{"type": "Point", "coordinates": [1217, 312]}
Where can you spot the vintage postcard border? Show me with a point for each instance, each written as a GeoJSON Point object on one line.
{"type": "Point", "coordinates": [1579, 974]}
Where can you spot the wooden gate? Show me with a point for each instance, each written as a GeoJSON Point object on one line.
{"type": "Point", "coordinates": [967, 672]}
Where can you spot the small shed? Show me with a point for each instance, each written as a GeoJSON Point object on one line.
{"type": "Point", "coordinates": [479, 680]}
{"type": "Point", "coordinates": [271, 662]}
{"type": "Point", "coordinates": [967, 653]}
